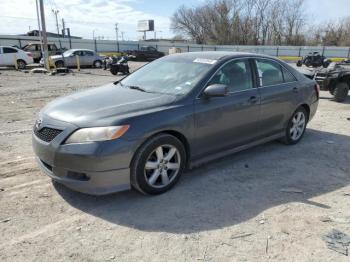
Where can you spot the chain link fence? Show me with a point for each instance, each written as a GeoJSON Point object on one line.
{"type": "Point", "coordinates": [114, 46]}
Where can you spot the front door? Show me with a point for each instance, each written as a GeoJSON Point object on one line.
{"type": "Point", "coordinates": [230, 121]}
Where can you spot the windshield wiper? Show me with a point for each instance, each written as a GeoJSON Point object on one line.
{"type": "Point", "coordinates": [136, 88]}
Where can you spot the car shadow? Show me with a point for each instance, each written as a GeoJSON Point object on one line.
{"type": "Point", "coordinates": [347, 100]}
{"type": "Point", "coordinates": [233, 189]}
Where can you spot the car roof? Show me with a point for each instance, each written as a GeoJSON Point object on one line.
{"type": "Point", "coordinates": [219, 55]}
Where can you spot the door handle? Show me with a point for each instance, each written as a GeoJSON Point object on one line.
{"type": "Point", "coordinates": [295, 89]}
{"type": "Point", "coordinates": [253, 99]}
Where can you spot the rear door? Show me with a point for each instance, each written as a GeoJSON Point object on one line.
{"type": "Point", "coordinates": [279, 91]}
{"type": "Point", "coordinates": [230, 121]}
{"type": "Point", "coordinates": [89, 58]}
{"type": "Point", "coordinates": [9, 56]}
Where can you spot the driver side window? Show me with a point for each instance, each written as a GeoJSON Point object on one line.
{"type": "Point", "coordinates": [236, 75]}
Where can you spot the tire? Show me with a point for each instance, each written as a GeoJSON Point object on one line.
{"type": "Point", "coordinates": [299, 63]}
{"type": "Point", "coordinates": [341, 92]}
{"type": "Point", "coordinates": [97, 64]}
{"type": "Point", "coordinates": [308, 63]}
{"type": "Point", "coordinates": [21, 64]}
{"type": "Point", "coordinates": [161, 173]}
{"type": "Point", "coordinates": [59, 64]}
{"type": "Point", "coordinates": [290, 138]}
{"type": "Point", "coordinates": [114, 70]}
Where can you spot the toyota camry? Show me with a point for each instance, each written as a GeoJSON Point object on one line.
{"type": "Point", "coordinates": [171, 115]}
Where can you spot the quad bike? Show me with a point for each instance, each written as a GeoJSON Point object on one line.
{"type": "Point", "coordinates": [117, 64]}
{"type": "Point", "coordinates": [335, 79]}
{"type": "Point", "coordinates": [314, 59]}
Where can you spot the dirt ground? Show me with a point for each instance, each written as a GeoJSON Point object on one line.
{"type": "Point", "coordinates": [269, 203]}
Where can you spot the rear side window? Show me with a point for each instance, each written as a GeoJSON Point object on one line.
{"type": "Point", "coordinates": [236, 75]}
{"type": "Point", "coordinates": [8, 50]}
{"type": "Point", "coordinates": [89, 53]}
{"type": "Point", "coordinates": [288, 77]}
{"type": "Point", "coordinates": [269, 72]}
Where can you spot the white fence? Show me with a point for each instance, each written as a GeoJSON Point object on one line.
{"type": "Point", "coordinates": [113, 46]}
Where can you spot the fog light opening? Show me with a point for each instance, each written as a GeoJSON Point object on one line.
{"type": "Point", "coordinates": [77, 176]}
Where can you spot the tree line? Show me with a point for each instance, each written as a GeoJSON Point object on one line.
{"type": "Point", "coordinates": [256, 22]}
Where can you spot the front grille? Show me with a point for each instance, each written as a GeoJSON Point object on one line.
{"type": "Point", "coordinates": [46, 134]}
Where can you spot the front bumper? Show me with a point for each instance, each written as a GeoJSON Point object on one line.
{"type": "Point", "coordinates": [92, 168]}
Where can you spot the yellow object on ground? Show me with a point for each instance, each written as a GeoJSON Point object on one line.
{"type": "Point", "coordinates": [15, 61]}
{"type": "Point", "coordinates": [78, 62]}
{"type": "Point", "coordinates": [296, 58]}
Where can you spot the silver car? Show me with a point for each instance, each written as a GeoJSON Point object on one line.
{"type": "Point", "coordinates": [69, 58]}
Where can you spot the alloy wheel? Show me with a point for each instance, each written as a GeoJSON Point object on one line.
{"type": "Point", "coordinates": [298, 126]}
{"type": "Point", "coordinates": [162, 166]}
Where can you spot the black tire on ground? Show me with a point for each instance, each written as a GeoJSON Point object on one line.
{"type": "Point", "coordinates": [299, 63]}
{"type": "Point", "coordinates": [114, 71]}
{"type": "Point", "coordinates": [341, 92]}
{"type": "Point", "coordinates": [59, 64]}
{"type": "Point", "coordinates": [21, 64]}
{"type": "Point", "coordinates": [138, 177]}
{"type": "Point", "coordinates": [97, 64]}
{"type": "Point", "coordinates": [287, 139]}
{"type": "Point", "coordinates": [308, 63]}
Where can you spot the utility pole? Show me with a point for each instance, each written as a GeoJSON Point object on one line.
{"type": "Point", "coordinates": [44, 36]}
{"type": "Point", "coordinates": [39, 27]}
{"type": "Point", "coordinates": [63, 28]}
{"type": "Point", "coordinates": [55, 12]}
{"type": "Point", "coordinates": [116, 31]}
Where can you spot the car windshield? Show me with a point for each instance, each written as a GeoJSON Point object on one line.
{"type": "Point", "coordinates": [169, 75]}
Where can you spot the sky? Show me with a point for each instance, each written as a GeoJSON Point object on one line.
{"type": "Point", "coordinates": [98, 17]}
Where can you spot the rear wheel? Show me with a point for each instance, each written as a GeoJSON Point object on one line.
{"type": "Point", "coordinates": [114, 70]}
{"type": "Point", "coordinates": [158, 164]}
{"type": "Point", "coordinates": [21, 64]}
{"type": "Point", "coordinates": [59, 64]}
{"type": "Point", "coordinates": [98, 64]}
{"type": "Point", "coordinates": [296, 127]}
{"type": "Point", "coordinates": [341, 92]}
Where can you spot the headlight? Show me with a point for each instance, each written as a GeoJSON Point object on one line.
{"type": "Point", "coordinates": [95, 134]}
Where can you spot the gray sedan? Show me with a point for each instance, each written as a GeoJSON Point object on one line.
{"type": "Point", "coordinates": [173, 114]}
{"type": "Point", "coordinates": [69, 58]}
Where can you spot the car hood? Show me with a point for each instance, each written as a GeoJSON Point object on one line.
{"type": "Point", "coordinates": [105, 105]}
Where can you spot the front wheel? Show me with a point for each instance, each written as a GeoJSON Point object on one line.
{"type": "Point", "coordinates": [158, 164]}
{"type": "Point", "coordinates": [296, 127]}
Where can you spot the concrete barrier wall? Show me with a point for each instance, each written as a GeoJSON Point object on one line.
{"type": "Point", "coordinates": [113, 46]}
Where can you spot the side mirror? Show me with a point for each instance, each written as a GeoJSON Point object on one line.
{"type": "Point", "coordinates": [216, 90]}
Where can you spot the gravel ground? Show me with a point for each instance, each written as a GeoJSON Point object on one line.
{"type": "Point", "coordinates": [272, 202]}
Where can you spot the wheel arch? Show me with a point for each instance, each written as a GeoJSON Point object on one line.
{"type": "Point", "coordinates": [307, 109]}
{"type": "Point", "coordinates": [181, 137]}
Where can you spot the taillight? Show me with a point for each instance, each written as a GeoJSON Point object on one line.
{"type": "Point", "coordinates": [30, 54]}
{"type": "Point", "coordinates": [317, 90]}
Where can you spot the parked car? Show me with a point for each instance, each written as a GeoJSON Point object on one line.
{"type": "Point", "coordinates": [335, 79]}
{"type": "Point", "coordinates": [177, 112]}
{"type": "Point", "coordinates": [35, 49]}
{"type": "Point", "coordinates": [314, 59]}
{"type": "Point", "coordinates": [69, 58]}
{"type": "Point", "coordinates": [8, 56]}
{"type": "Point", "coordinates": [146, 53]}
